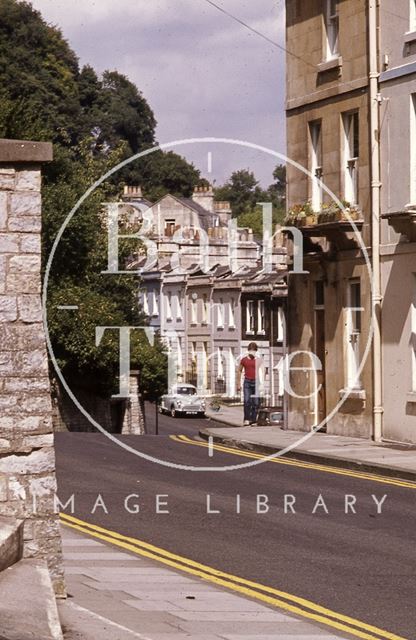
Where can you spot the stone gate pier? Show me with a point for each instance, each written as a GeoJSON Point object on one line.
{"type": "Point", "coordinates": [27, 459]}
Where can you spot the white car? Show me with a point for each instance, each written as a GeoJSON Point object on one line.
{"type": "Point", "coordinates": [182, 400]}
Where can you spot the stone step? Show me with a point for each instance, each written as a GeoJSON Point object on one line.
{"type": "Point", "coordinates": [28, 608]}
{"type": "Point", "coordinates": [11, 542]}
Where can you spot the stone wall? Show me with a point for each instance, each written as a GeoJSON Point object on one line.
{"type": "Point", "coordinates": [27, 460]}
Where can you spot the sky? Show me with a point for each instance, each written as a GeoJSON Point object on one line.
{"type": "Point", "coordinates": [203, 73]}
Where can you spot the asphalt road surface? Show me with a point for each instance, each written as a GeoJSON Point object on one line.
{"type": "Point", "coordinates": [359, 564]}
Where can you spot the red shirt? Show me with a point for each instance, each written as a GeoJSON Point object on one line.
{"type": "Point", "coordinates": [249, 365]}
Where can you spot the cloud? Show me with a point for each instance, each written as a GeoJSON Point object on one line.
{"type": "Point", "coordinates": [202, 72]}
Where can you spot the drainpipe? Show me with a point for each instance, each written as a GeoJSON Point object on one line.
{"type": "Point", "coordinates": [375, 218]}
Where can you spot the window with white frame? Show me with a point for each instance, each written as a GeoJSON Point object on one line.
{"type": "Point", "coordinates": [280, 333]}
{"type": "Point", "coordinates": [193, 352]}
{"type": "Point", "coordinates": [231, 314]}
{"type": "Point", "coordinates": [194, 311]}
{"type": "Point", "coordinates": [220, 314]}
{"type": "Point", "coordinates": [178, 306]}
{"type": "Point", "coordinates": [261, 317]}
{"type": "Point", "coordinates": [145, 303]}
{"type": "Point", "coordinates": [353, 333]}
{"type": "Point", "coordinates": [315, 138]}
{"type": "Point", "coordinates": [250, 318]}
{"type": "Point", "coordinates": [351, 151]}
{"type": "Point", "coordinates": [413, 334]}
{"type": "Point", "coordinates": [412, 25]}
{"type": "Point", "coordinates": [205, 308]}
{"type": "Point", "coordinates": [155, 304]}
{"type": "Point", "coordinates": [168, 303]}
{"type": "Point", "coordinates": [413, 147]}
{"type": "Point", "coordinates": [331, 29]}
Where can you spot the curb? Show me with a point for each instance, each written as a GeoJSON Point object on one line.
{"type": "Point", "coordinates": [306, 456]}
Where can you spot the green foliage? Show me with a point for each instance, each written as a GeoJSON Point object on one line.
{"type": "Point", "coordinates": [243, 192]}
{"type": "Point", "coordinates": [94, 123]}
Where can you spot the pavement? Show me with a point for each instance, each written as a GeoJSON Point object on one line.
{"type": "Point", "coordinates": [354, 453]}
{"type": "Point", "coordinates": [114, 595]}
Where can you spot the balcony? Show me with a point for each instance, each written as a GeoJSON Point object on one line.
{"type": "Point", "coordinates": [337, 225]}
{"type": "Point", "coordinates": [403, 222]}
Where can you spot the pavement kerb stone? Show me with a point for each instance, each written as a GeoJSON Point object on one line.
{"type": "Point", "coordinates": [307, 456]}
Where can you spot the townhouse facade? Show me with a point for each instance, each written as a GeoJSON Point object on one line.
{"type": "Point", "coordinates": [351, 122]}
{"type": "Point", "coordinates": [208, 304]}
{"type": "Point", "coordinates": [330, 309]}
{"type": "Point", "coordinates": [398, 208]}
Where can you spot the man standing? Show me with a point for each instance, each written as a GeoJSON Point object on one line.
{"type": "Point", "coordinates": [250, 364]}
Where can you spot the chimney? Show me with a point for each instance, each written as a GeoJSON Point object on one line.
{"type": "Point", "coordinates": [132, 193]}
{"type": "Point", "coordinates": [204, 196]}
{"type": "Point", "coordinates": [223, 210]}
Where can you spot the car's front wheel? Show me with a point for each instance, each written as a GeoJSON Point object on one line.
{"type": "Point", "coordinates": [173, 412]}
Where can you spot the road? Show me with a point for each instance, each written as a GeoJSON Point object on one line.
{"type": "Point", "coordinates": [359, 564]}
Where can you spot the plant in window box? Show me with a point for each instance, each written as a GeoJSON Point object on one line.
{"type": "Point", "coordinates": [301, 219]}
{"type": "Point", "coordinates": [311, 219]}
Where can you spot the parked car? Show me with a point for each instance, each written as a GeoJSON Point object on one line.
{"type": "Point", "coordinates": [182, 400]}
{"type": "Point", "coordinates": [270, 416]}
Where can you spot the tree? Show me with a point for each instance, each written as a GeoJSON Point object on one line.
{"type": "Point", "coordinates": [94, 123]}
{"type": "Point", "coordinates": [243, 192]}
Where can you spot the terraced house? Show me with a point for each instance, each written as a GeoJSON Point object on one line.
{"type": "Point", "coordinates": [351, 122]}
{"type": "Point", "coordinates": [209, 303]}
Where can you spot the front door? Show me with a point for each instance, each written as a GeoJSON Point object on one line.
{"type": "Point", "coordinates": [320, 397]}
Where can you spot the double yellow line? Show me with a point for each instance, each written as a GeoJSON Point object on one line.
{"type": "Point", "coordinates": [397, 482]}
{"type": "Point", "coordinates": [268, 595]}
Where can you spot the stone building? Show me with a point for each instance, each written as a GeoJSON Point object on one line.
{"type": "Point", "coordinates": [398, 208]}
{"type": "Point", "coordinates": [27, 460]}
{"type": "Point", "coordinates": [330, 310]}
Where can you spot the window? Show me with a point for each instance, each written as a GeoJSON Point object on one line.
{"type": "Point", "coordinates": [261, 317]}
{"type": "Point", "coordinates": [250, 320]}
{"type": "Point", "coordinates": [413, 148]}
{"type": "Point", "coordinates": [220, 314]}
{"type": "Point", "coordinates": [412, 26]}
{"type": "Point", "coordinates": [280, 333]}
{"type": "Point", "coordinates": [413, 335]}
{"type": "Point", "coordinates": [194, 309]}
{"type": "Point", "coordinates": [168, 302]}
{"type": "Point", "coordinates": [155, 304]}
{"type": "Point", "coordinates": [178, 307]}
{"type": "Point", "coordinates": [316, 164]}
{"type": "Point", "coordinates": [331, 29]}
{"type": "Point", "coordinates": [231, 316]}
{"type": "Point", "coordinates": [169, 227]}
{"type": "Point", "coordinates": [193, 352]}
{"type": "Point", "coordinates": [353, 326]}
{"type": "Point", "coordinates": [145, 302]}
{"type": "Point", "coordinates": [205, 309]}
{"type": "Point", "coordinates": [351, 154]}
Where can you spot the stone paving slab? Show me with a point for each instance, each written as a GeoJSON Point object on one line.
{"type": "Point", "coordinates": [120, 596]}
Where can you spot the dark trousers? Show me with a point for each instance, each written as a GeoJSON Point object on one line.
{"type": "Point", "coordinates": [251, 401]}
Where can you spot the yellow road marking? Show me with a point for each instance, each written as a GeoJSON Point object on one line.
{"type": "Point", "coordinates": [255, 590]}
{"type": "Point", "coordinates": [298, 463]}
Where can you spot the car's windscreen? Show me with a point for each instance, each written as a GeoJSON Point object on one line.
{"type": "Point", "coordinates": [186, 391]}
